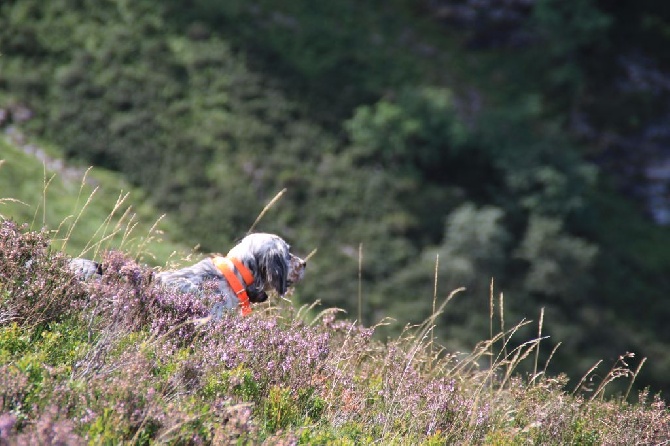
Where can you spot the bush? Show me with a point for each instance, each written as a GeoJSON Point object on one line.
{"type": "Point", "coordinates": [35, 287]}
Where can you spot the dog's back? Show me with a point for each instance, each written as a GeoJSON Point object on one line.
{"type": "Point", "coordinates": [191, 278]}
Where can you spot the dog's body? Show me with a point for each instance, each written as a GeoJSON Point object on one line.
{"type": "Point", "coordinates": [267, 258]}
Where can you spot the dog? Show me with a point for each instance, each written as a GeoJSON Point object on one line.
{"type": "Point", "coordinates": [258, 264]}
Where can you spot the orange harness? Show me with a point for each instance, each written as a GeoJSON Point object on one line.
{"type": "Point", "coordinates": [227, 265]}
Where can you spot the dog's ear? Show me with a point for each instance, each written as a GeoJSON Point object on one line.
{"type": "Point", "coordinates": [275, 267]}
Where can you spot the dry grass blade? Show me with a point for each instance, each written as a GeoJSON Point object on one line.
{"type": "Point", "coordinates": [620, 369]}
{"type": "Point", "coordinates": [305, 308]}
{"type": "Point", "coordinates": [637, 371]}
{"type": "Point", "coordinates": [326, 312]}
{"type": "Point", "coordinates": [427, 326]}
{"type": "Point", "coordinates": [128, 226]}
{"type": "Point", "coordinates": [586, 375]}
{"type": "Point", "coordinates": [45, 188]}
{"type": "Point", "coordinates": [539, 336]}
{"type": "Point", "coordinates": [10, 200]}
{"type": "Point", "coordinates": [429, 323]}
{"type": "Point", "coordinates": [265, 209]}
{"type": "Point", "coordinates": [432, 332]}
{"type": "Point", "coordinates": [501, 305]}
{"type": "Point", "coordinates": [142, 247]}
{"type": "Point", "coordinates": [339, 360]}
{"type": "Point", "coordinates": [101, 231]}
{"type": "Point", "coordinates": [551, 355]}
{"type": "Point", "coordinates": [507, 336]}
{"type": "Point", "coordinates": [82, 183]}
{"type": "Point", "coordinates": [310, 255]}
{"type": "Point", "coordinates": [360, 282]}
{"type": "Point", "coordinates": [519, 355]}
{"type": "Point", "coordinates": [394, 397]}
{"type": "Point", "coordinates": [74, 223]}
{"type": "Point", "coordinates": [491, 311]}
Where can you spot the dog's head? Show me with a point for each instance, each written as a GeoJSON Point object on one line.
{"type": "Point", "coordinates": [269, 258]}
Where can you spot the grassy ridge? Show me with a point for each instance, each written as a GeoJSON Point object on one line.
{"type": "Point", "coordinates": [121, 361]}
{"type": "Point", "coordinates": [80, 205]}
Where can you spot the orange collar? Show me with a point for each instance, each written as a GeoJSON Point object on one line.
{"type": "Point", "coordinates": [227, 266]}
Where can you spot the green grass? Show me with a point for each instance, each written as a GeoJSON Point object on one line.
{"type": "Point", "coordinates": [87, 210]}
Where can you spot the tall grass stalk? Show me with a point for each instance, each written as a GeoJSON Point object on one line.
{"type": "Point", "coordinates": [142, 247]}
{"type": "Point", "coordinates": [427, 325]}
{"type": "Point", "coordinates": [501, 307]}
{"type": "Point", "coordinates": [619, 369]}
{"type": "Point", "coordinates": [338, 361]}
{"type": "Point", "coordinates": [82, 183]}
{"type": "Point", "coordinates": [551, 355]}
{"type": "Point", "coordinates": [43, 205]}
{"type": "Point", "coordinates": [491, 312]}
{"type": "Point", "coordinates": [519, 354]}
{"type": "Point", "coordinates": [578, 387]}
{"type": "Point", "coordinates": [104, 237]}
{"type": "Point", "coordinates": [432, 331]}
{"type": "Point", "coordinates": [127, 228]}
{"type": "Point", "coordinates": [633, 378]}
{"type": "Point", "coordinates": [74, 223]}
{"type": "Point", "coordinates": [539, 337]}
{"type": "Point", "coordinates": [310, 255]}
{"type": "Point", "coordinates": [484, 348]}
{"type": "Point", "coordinates": [319, 317]}
{"type": "Point", "coordinates": [265, 209]}
{"type": "Point", "coordinates": [360, 283]}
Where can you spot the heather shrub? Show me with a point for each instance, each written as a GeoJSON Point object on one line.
{"type": "Point", "coordinates": [34, 288]}
{"type": "Point", "coordinates": [52, 427]}
{"type": "Point", "coordinates": [126, 361]}
{"type": "Point", "coordinates": [15, 386]}
{"type": "Point", "coordinates": [126, 299]}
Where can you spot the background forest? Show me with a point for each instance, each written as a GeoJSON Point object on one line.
{"type": "Point", "coordinates": [518, 140]}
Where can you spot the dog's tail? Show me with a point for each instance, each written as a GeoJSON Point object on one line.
{"type": "Point", "coordinates": [85, 269]}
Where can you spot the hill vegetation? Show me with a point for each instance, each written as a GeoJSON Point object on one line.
{"type": "Point", "coordinates": [121, 361]}
{"type": "Point", "coordinates": [85, 211]}
{"type": "Point", "coordinates": [445, 141]}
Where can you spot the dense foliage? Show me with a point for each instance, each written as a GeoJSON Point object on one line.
{"type": "Point", "coordinates": [118, 360]}
{"type": "Point", "coordinates": [495, 134]}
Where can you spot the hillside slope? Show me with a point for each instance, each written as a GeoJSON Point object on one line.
{"type": "Point", "coordinates": [85, 211]}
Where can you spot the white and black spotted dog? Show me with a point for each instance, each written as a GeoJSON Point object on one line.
{"type": "Point", "coordinates": [258, 264]}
